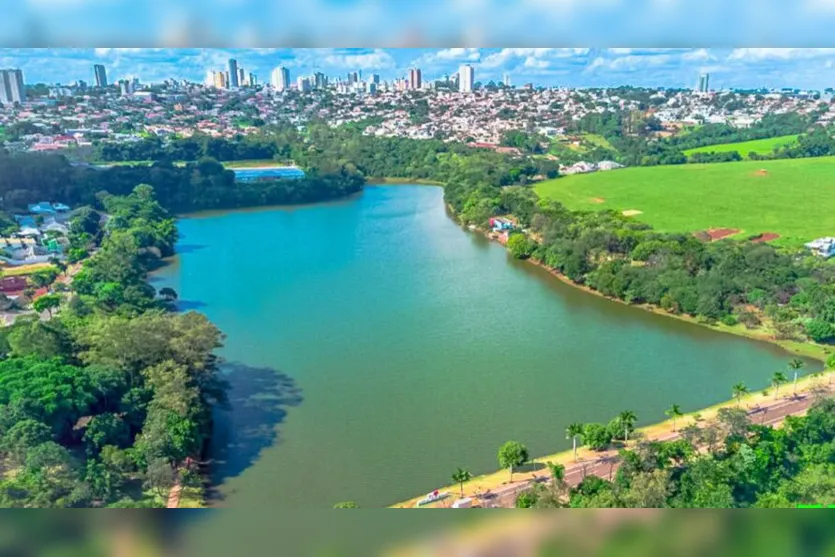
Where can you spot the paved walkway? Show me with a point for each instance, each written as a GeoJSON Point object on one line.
{"type": "Point", "coordinates": [603, 466]}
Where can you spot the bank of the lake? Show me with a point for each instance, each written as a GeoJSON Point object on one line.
{"type": "Point", "coordinates": [373, 346]}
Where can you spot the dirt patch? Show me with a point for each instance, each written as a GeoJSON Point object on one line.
{"type": "Point", "coordinates": [597, 200]}
{"type": "Point", "coordinates": [761, 172]}
{"type": "Point", "coordinates": [719, 233]}
{"type": "Point", "coordinates": [766, 237]}
{"type": "Point", "coordinates": [631, 212]}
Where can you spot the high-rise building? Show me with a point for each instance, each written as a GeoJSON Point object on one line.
{"type": "Point", "coordinates": [125, 87]}
{"type": "Point", "coordinates": [220, 81]}
{"type": "Point", "coordinates": [280, 78]}
{"type": "Point", "coordinates": [319, 80]}
{"type": "Point", "coordinates": [466, 76]}
{"type": "Point", "coordinates": [506, 80]}
{"type": "Point", "coordinates": [414, 78]}
{"type": "Point", "coordinates": [233, 73]}
{"type": "Point", "coordinates": [12, 89]}
{"type": "Point", "coordinates": [303, 84]}
{"type": "Point", "coordinates": [253, 81]}
{"type": "Point", "coordinates": [210, 79]}
{"type": "Point", "coordinates": [101, 75]}
{"type": "Point", "coordinates": [375, 78]}
{"type": "Point", "coordinates": [704, 83]}
{"type": "Point", "coordinates": [242, 77]}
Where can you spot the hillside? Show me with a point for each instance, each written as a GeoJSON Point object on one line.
{"type": "Point", "coordinates": [759, 146]}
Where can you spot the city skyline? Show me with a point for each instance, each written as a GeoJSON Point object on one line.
{"type": "Point", "coordinates": [570, 67]}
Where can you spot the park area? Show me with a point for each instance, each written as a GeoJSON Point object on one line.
{"type": "Point", "coordinates": [759, 146]}
{"type": "Point", "coordinates": [793, 199]}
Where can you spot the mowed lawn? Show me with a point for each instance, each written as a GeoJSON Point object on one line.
{"type": "Point", "coordinates": [759, 146]}
{"type": "Point", "coordinates": [792, 197]}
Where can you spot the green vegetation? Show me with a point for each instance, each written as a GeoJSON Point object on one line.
{"type": "Point", "coordinates": [106, 403]}
{"type": "Point", "coordinates": [759, 146]}
{"type": "Point", "coordinates": [461, 476]}
{"type": "Point", "coordinates": [792, 198]}
{"type": "Point", "coordinates": [744, 465]}
{"type": "Point", "coordinates": [512, 454]}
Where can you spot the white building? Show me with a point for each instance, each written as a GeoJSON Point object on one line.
{"type": "Point", "coordinates": [12, 89]}
{"type": "Point", "coordinates": [303, 84]}
{"type": "Point", "coordinates": [822, 247]}
{"type": "Point", "coordinates": [280, 78]}
{"type": "Point", "coordinates": [466, 76]}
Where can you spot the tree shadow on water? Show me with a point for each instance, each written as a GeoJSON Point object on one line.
{"type": "Point", "coordinates": [258, 401]}
{"type": "Point", "coordinates": [189, 305]}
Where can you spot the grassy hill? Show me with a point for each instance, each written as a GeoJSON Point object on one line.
{"type": "Point", "coordinates": [759, 146]}
{"type": "Point", "coordinates": [792, 197]}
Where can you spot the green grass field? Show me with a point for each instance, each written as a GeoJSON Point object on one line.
{"type": "Point", "coordinates": [792, 197]}
{"type": "Point", "coordinates": [759, 146]}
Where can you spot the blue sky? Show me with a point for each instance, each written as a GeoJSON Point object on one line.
{"type": "Point", "coordinates": [577, 66]}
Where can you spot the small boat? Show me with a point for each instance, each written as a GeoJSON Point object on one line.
{"type": "Point", "coordinates": [432, 497]}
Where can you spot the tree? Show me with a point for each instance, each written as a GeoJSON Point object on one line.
{"type": "Point", "coordinates": [779, 378]}
{"type": "Point", "coordinates": [796, 365]}
{"type": "Point", "coordinates": [573, 431]}
{"type": "Point", "coordinates": [47, 302]}
{"type": "Point", "coordinates": [520, 246]}
{"type": "Point", "coordinates": [168, 294]}
{"type": "Point", "coordinates": [160, 477]}
{"type": "Point", "coordinates": [346, 505]}
{"type": "Point", "coordinates": [627, 419]}
{"type": "Point", "coordinates": [460, 476]}
{"type": "Point", "coordinates": [558, 475]}
{"type": "Point", "coordinates": [739, 390]}
{"type": "Point", "coordinates": [674, 412]}
{"type": "Point", "coordinates": [512, 454]}
{"type": "Point", "coordinates": [597, 436]}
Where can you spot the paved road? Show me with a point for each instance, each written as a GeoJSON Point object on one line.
{"type": "Point", "coordinates": [604, 465]}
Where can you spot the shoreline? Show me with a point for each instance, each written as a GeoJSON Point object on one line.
{"type": "Point", "coordinates": [806, 349]}
{"type": "Point", "coordinates": [394, 181]}
{"type": "Point", "coordinates": [537, 466]}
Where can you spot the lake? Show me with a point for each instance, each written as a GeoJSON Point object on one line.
{"type": "Point", "coordinates": [251, 174]}
{"type": "Point", "coordinates": [373, 346]}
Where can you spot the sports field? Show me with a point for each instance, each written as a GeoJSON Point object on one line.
{"type": "Point", "coordinates": [794, 198]}
{"type": "Point", "coordinates": [759, 146]}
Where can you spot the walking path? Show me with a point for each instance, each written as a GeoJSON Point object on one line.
{"type": "Point", "coordinates": [760, 409]}
{"type": "Point", "coordinates": [604, 466]}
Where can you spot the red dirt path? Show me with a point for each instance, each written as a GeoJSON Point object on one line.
{"type": "Point", "coordinates": [766, 237]}
{"type": "Point", "coordinates": [719, 233]}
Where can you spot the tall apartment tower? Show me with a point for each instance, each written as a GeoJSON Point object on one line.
{"type": "Point", "coordinates": [233, 73]}
{"type": "Point", "coordinates": [466, 78]}
{"type": "Point", "coordinates": [12, 89]}
{"type": "Point", "coordinates": [704, 83]}
{"type": "Point", "coordinates": [414, 78]}
{"type": "Point", "coordinates": [101, 75]}
{"type": "Point", "coordinates": [280, 78]}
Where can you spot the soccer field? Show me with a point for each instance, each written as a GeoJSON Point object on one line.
{"type": "Point", "coordinates": [759, 146]}
{"type": "Point", "coordinates": [794, 198]}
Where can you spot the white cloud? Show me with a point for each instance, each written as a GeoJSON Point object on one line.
{"type": "Point", "coordinates": [377, 59]}
{"type": "Point", "coordinates": [761, 54]}
{"type": "Point", "coordinates": [506, 55]}
{"type": "Point", "coordinates": [699, 55]}
{"type": "Point", "coordinates": [454, 54]}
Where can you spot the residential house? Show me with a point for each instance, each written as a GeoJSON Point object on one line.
{"type": "Point", "coordinates": [822, 247]}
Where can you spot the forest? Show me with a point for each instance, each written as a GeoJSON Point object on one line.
{"type": "Point", "coordinates": [740, 464]}
{"type": "Point", "coordinates": [106, 402]}
{"type": "Point", "coordinates": [205, 184]}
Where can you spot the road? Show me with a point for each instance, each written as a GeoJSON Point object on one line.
{"type": "Point", "coordinates": [605, 465]}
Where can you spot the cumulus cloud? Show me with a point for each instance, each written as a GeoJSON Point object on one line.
{"type": "Point", "coordinates": [531, 57]}
{"type": "Point", "coordinates": [761, 54]}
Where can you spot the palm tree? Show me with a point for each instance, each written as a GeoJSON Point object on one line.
{"type": "Point", "coordinates": [573, 431]}
{"type": "Point", "coordinates": [796, 365]}
{"type": "Point", "coordinates": [460, 477]}
{"type": "Point", "coordinates": [739, 390]}
{"type": "Point", "coordinates": [779, 378]}
{"type": "Point", "coordinates": [627, 419]}
{"type": "Point", "coordinates": [674, 412]}
{"type": "Point", "coordinates": [557, 473]}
